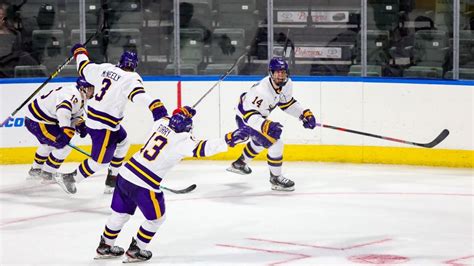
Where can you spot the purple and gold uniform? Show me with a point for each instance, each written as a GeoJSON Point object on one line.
{"type": "Point", "coordinates": [253, 109]}
{"type": "Point", "coordinates": [118, 85]}
{"type": "Point", "coordinates": [48, 116]}
{"type": "Point", "coordinates": [275, 90]}
{"type": "Point", "coordinates": [138, 181]}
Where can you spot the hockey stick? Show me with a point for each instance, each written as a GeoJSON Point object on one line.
{"type": "Point", "coordinates": [431, 144]}
{"type": "Point", "coordinates": [177, 191]}
{"type": "Point", "coordinates": [221, 78]}
{"type": "Point", "coordinates": [79, 149]}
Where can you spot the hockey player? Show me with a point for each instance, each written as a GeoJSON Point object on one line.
{"type": "Point", "coordinates": [53, 119]}
{"type": "Point", "coordinates": [138, 181]}
{"type": "Point", "coordinates": [118, 84]}
{"type": "Point", "coordinates": [253, 109]}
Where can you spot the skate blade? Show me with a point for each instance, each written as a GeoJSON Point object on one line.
{"type": "Point", "coordinates": [60, 182]}
{"type": "Point", "coordinates": [105, 257]}
{"type": "Point", "coordinates": [279, 188]}
{"type": "Point", "coordinates": [109, 190]}
{"type": "Point", "coordinates": [47, 181]}
{"type": "Point", "coordinates": [127, 259]}
{"type": "Point", "coordinates": [236, 171]}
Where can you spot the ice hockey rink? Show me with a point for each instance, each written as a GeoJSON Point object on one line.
{"type": "Point", "coordinates": [339, 214]}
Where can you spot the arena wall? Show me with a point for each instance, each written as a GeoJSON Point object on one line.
{"type": "Point", "coordinates": [414, 110]}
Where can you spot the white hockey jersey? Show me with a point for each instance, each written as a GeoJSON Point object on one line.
{"type": "Point", "coordinates": [259, 101]}
{"type": "Point", "coordinates": [113, 88]}
{"type": "Point", "coordinates": [58, 106]}
{"type": "Point", "coordinates": [163, 150]}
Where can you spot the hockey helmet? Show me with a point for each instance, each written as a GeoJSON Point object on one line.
{"type": "Point", "coordinates": [278, 64]}
{"type": "Point", "coordinates": [85, 87]}
{"type": "Point", "coordinates": [128, 60]}
{"type": "Point", "coordinates": [180, 123]}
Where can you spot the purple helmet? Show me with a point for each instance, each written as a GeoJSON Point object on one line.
{"type": "Point", "coordinates": [180, 123]}
{"type": "Point", "coordinates": [82, 83]}
{"type": "Point", "coordinates": [277, 63]}
{"type": "Point", "coordinates": [129, 59]}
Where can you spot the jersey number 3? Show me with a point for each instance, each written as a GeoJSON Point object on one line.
{"type": "Point", "coordinates": [105, 86]}
{"type": "Point", "coordinates": [157, 143]}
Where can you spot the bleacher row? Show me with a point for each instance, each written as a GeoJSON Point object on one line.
{"type": "Point", "coordinates": [214, 33]}
{"type": "Point", "coordinates": [145, 26]}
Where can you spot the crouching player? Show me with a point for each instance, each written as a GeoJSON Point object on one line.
{"type": "Point", "coordinates": [254, 107]}
{"type": "Point", "coordinates": [138, 181]}
{"type": "Point", "coordinates": [53, 119]}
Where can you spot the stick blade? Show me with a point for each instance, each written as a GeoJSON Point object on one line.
{"type": "Point", "coordinates": [181, 191]}
{"type": "Point", "coordinates": [437, 140]}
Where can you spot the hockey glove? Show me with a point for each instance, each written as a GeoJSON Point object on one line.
{"type": "Point", "coordinates": [158, 109]}
{"type": "Point", "coordinates": [186, 111]}
{"type": "Point", "coordinates": [238, 136]}
{"type": "Point", "coordinates": [81, 128]}
{"type": "Point", "coordinates": [78, 49]}
{"type": "Point", "coordinates": [64, 136]}
{"type": "Point", "coordinates": [308, 119]}
{"type": "Point", "coordinates": [272, 130]}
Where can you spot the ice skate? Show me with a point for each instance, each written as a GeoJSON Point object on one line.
{"type": "Point", "coordinates": [110, 182]}
{"type": "Point", "coordinates": [46, 177]}
{"type": "Point", "coordinates": [281, 183]}
{"type": "Point", "coordinates": [105, 251]}
{"type": "Point", "coordinates": [135, 254]}
{"type": "Point", "coordinates": [240, 167]}
{"type": "Point", "coordinates": [34, 174]}
{"type": "Point", "coordinates": [66, 181]}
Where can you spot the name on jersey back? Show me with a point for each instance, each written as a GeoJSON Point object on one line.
{"type": "Point", "coordinates": [111, 75]}
{"type": "Point", "coordinates": [163, 130]}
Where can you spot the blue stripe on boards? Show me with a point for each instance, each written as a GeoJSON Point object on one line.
{"type": "Point", "coordinates": [254, 78]}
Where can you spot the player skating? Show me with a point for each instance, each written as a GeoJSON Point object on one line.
{"type": "Point", "coordinates": [118, 84]}
{"type": "Point", "coordinates": [254, 107]}
{"type": "Point", "coordinates": [53, 119]}
{"type": "Point", "coordinates": [138, 181]}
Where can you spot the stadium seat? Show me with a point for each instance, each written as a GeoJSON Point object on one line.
{"type": "Point", "coordinates": [121, 40]}
{"type": "Point", "coordinates": [30, 71]}
{"type": "Point", "coordinates": [466, 48]}
{"type": "Point", "coordinates": [44, 12]}
{"type": "Point", "coordinates": [192, 46]}
{"type": "Point", "coordinates": [238, 14]}
{"type": "Point", "coordinates": [464, 73]}
{"type": "Point", "coordinates": [377, 47]}
{"type": "Point", "coordinates": [201, 12]}
{"type": "Point", "coordinates": [227, 46]}
{"type": "Point", "coordinates": [125, 14]}
{"type": "Point", "coordinates": [382, 15]}
{"type": "Point", "coordinates": [191, 50]}
{"type": "Point", "coordinates": [185, 69]}
{"type": "Point", "coordinates": [49, 47]}
{"type": "Point", "coordinates": [423, 72]}
{"type": "Point", "coordinates": [429, 54]}
{"type": "Point", "coordinates": [372, 71]}
{"type": "Point", "coordinates": [157, 43]}
{"type": "Point", "coordinates": [219, 69]}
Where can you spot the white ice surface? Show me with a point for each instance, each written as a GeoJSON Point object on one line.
{"type": "Point", "coordinates": [339, 214]}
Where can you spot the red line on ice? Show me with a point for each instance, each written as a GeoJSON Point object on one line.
{"type": "Point", "coordinates": [321, 247]}
{"type": "Point", "coordinates": [299, 256]}
{"type": "Point", "coordinates": [454, 262]}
